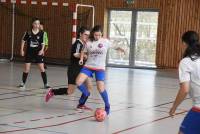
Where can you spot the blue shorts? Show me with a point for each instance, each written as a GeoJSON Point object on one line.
{"type": "Point", "coordinates": [191, 122]}
{"type": "Point", "coordinates": [99, 74]}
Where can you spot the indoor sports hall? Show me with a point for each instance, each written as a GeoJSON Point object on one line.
{"type": "Point", "coordinates": [99, 67]}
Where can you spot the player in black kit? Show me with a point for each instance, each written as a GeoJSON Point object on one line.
{"type": "Point", "coordinates": [74, 69]}
{"type": "Point", "coordinates": [34, 42]}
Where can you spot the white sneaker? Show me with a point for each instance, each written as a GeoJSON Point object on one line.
{"type": "Point", "coordinates": [22, 86]}
{"type": "Point", "coordinates": [46, 86]}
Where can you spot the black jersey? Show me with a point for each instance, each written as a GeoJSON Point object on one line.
{"type": "Point", "coordinates": [34, 41]}
{"type": "Point", "coordinates": [76, 48]}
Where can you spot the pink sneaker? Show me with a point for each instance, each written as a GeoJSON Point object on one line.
{"type": "Point", "coordinates": [49, 95]}
{"type": "Point", "coordinates": [84, 107]}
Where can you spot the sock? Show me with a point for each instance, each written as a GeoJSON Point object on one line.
{"type": "Point", "coordinates": [83, 99]}
{"type": "Point", "coordinates": [84, 90]}
{"type": "Point", "coordinates": [60, 91]}
{"type": "Point", "coordinates": [104, 96]}
{"type": "Point", "coordinates": [24, 77]}
{"type": "Point", "coordinates": [44, 77]}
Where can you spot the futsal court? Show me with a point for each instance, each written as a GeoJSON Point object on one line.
{"type": "Point", "coordinates": [141, 66]}
{"type": "Point", "coordinates": [140, 102]}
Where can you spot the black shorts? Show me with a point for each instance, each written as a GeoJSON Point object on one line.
{"type": "Point", "coordinates": [33, 57]}
{"type": "Point", "coordinates": [72, 73]}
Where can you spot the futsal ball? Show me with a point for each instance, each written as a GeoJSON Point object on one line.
{"type": "Point", "coordinates": [100, 114]}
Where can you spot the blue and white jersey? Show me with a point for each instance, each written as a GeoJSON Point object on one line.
{"type": "Point", "coordinates": [97, 51]}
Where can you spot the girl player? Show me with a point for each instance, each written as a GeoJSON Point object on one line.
{"type": "Point", "coordinates": [96, 50]}
{"type": "Point", "coordinates": [34, 40]}
{"type": "Point", "coordinates": [46, 42]}
{"type": "Point", "coordinates": [74, 68]}
{"type": "Point", "coordinates": [189, 76]}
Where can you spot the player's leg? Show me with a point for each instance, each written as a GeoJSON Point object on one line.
{"type": "Point", "coordinates": [100, 77]}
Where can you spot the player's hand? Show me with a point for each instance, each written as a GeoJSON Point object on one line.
{"type": "Point", "coordinates": [22, 53]}
{"type": "Point", "coordinates": [41, 52]}
{"type": "Point", "coordinates": [80, 62]}
{"type": "Point", "coordinates": [172, 112]}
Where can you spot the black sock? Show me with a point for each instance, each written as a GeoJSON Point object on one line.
{"type": "Point", "coordinates": [60, 91]}
{"type": "Point", "coordinates": [83, 99]}
{"type": "Point", "coordinates": [44, 77]}
{"type": "Point", "coordinates": [24, 77]}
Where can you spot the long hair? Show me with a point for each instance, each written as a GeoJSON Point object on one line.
{"type": "Point", "coordinates": [81, 31]}
{"type": "Point", "coordinates": [191, 39]}
{"type": "Point", "coordinates": [96, 28]}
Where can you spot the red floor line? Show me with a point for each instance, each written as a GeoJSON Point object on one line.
{"type": "Point", "coordinates": [18, 130]}
{"type": "Point", "coordinates": [35, 120]}
{"type": "Point", "coordinates": [61, 116]}
{"type": "Point", "coordinates": [168, 103]}
{"type": "Point", "coordinates": [170, 108]}
{"type": "Point", "coordinates": [9, 93]}
{"type": "Point", "coordinates": [19, 122]}
{"type": "Point", "coordinates": [17, 97]}
{"type": "Point", "coordinates": [146, 123]}
{"type": "Point", "coordinates": [49, 118]}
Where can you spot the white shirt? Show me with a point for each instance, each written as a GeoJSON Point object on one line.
{"type": "Point", "coordinates": [189, 71]}
{"type": "Point", "coordinates": [97, 51]}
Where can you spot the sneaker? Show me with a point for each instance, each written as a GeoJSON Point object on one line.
{"type": "Point", "coordinates": [49, 95]}
{"type": "Point", "coordinates": [22, 86]}
{"type": "Point", "coordinates": [83, 107]}
{"type": "Point", "coordinates": [46, 86]}
{"type": "Point", "coordinates": [107, 109]}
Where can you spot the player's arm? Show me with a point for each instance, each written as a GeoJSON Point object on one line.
{"type": "Point", "coordinates": [83, 55]}
{"type": "Point", "coordinates": [77, 55]}
{"type": "Point", "coordinates": [79, 51]}
{"type": "Point", "coordinates": [184, 77]}
{"type": "Point", "coordinates": [22, 48]}
{"type": "Point", "coordinates": [113, 46]}
{"type": "Point", "coordinates": [41, 52]}
{"type": "Point", "coordinates": [120, 49]}
{"type": "Point", "coordinates": [46, 48]}
{"type": "Point", "coordinates": [46, 40]}
{"type": "Point", "coordinates": [24, 39]}
{"type": "Point", "coordinates": [183, 91]}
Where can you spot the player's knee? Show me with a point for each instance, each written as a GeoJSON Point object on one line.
{"type": "Point", "coordinates": [69, 92]}
{"type": "Point", "coordinates": [41, 68]}
{"type": "Point", "coordinates": [27, 69]}
{"type": "Point", "coordinates": [180, 132]}
{"type": "Point", "coordinates": [89, 87]}
{"type": "Point", "coordinates": [101, 89]}
{"type": "Point", "coordinates": [78, 82]}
